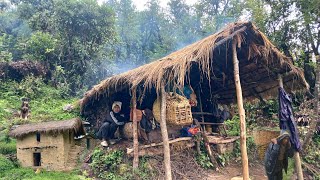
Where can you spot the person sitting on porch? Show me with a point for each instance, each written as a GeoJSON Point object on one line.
{"type": "Point", "coordinates": [113, 121]}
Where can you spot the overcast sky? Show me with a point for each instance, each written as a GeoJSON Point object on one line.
{"type": "Point", "coordinates": [140, 4]}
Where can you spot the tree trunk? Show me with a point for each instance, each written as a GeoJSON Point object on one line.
{"type": "Point", "coordinates": [243, 146]}
{"type": "Point", "coordinates": [135, 132]}
{"type": "Point", "coordinates": [164, 132]}
{"type": "Point", "coordinates": [314, 123]}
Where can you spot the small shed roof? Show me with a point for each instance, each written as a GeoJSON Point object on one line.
{"type": "Point", "coordinates": [49, 127]}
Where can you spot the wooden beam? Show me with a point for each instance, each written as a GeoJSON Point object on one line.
{"type": "Point", "coordinates": [130, 150]}
{"type": "Point", "coordinates": [243, 146]}
{"type": "Point", "coordinates": [164, 132]}
{"type": "Point", "coordinates": [296, 154]}
{"type": "Point", "coordinates": [135, 131]}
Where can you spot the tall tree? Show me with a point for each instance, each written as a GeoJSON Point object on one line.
{"type": "Point", "coordinates": [81, 28]}
{"type": "Point", "coordinates": [215, 14]}
{"type": "Point", "coordinates": [154, 37]}
{"type": "Point", "coordinates": [185, 25]}
{"type": "Point", "coordinates": [127, 46]}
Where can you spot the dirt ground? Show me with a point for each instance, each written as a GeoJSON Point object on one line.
{"type": "Point", "coordinates": [234, 170]}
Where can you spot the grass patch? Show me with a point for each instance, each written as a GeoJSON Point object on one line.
{"type": "Point", "coordinates": [29, 174]}
{"type": "Point", "coordinates": [11, 171]}
{"type": "Point", "coordinates": [46, 102]}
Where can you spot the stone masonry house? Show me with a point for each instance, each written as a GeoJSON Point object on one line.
{"type": "Point", "coordinates": [49, 145]}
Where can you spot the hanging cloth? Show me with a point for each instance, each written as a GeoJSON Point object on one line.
{"type": "Point", "coordinates": [287, 122]}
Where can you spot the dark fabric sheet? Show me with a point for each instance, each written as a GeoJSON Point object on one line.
{"type": "Point", "coordinates": [286, 118]}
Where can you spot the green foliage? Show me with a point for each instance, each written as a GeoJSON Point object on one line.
{"type": "Point", "coordinates": [7, 147]}
{"type": "Point", "coordinates": [236, 150]}
{"type": "Point", "coordinates": [29, 174]}
{"type": "Point", "coordinates": [233, 126]}
{"type": "Point", "coordinates": [204, 161]}
{"type": "Point", "coordinates": [102, 161]}
{"type": "Point", "coordinates": [5, 165]}
{"type": "Point", "coordinates": [11, 171]}
{"type": "Point", "coordinates": [313, 154]}
{"type": "Point", "coordinates": [5, 54]}
{"type": "Point", "coordinates": [41, 47]}
{"type": "Point", "coordinates": [112, 165]}
{"type": "Point", "coordinates": [223, 159]}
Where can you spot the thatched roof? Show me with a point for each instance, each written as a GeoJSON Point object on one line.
{"type": "Point", "coordinates": [49, 127]}
{"type": "Point", "coordinates": [210, 59]}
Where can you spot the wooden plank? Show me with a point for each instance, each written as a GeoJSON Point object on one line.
{"type": "Point", "coordinates": [151, 151]}
{"type": "Point", "coordinates": [202, 113]}
{"type": "Point", "coordinates": [222, 140]}
{"type": "Point", "coordinates": [130, 150]}
{"type": "Point", "coordinates": [210, 123]}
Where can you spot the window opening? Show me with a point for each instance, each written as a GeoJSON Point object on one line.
{"type": "Point", "coordinates": [38, 137]}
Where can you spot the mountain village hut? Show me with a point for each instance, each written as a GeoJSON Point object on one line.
{"type": "Point", "coordinates": [238, 63]}
{"type": "Point", "coordinates": [48, 145]}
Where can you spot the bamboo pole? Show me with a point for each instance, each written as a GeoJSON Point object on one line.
{"type": "Point", "coordinates": [243, 146]}
{"type": "Point", "coordinates": [135, 131]}
{"type": "Point", "coordinates": [164, 132]}
{"type": "Point", "coordinates": [296, 154]}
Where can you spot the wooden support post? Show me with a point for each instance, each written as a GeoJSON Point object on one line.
{"type": "Point", "coordinates": [200, 103]}
{"type": "Point", "coordinates": [296, 155]}
{"type": "Point", "coordinates": [243, 146]}
{"type": "Point", "coordinates": [201, 110]}
{"type": "Point", "coordinates": [135, 130]}
{"type": "Point", "coordinates": [164, 132]}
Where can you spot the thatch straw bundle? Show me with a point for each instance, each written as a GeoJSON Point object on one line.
{"type": "Point", "coordinates": [210, 60]}
{"type": "Point", "coordinates": [49, 127]}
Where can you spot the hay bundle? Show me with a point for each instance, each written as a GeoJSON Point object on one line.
{"type": "Point", "coordinates": [128, 130]}
{"type": "Point", "coordinates": [178, 110]}
{"type": "Point", "coordinates": [262, 138]}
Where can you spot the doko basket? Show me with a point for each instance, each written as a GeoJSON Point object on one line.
{"type": "Point", "coordinates": [262, 138]}
{"type": "Point", "coordinates": [178, 110]}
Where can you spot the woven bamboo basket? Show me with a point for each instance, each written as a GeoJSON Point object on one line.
{"type": "Point", "coordinates": [178, 110]}
{"type": "Point", "coordinates": [262, 138]}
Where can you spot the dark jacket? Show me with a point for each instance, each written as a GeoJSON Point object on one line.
{"type": "Point", "coordinates": [120, 117]}
{"type": "Point", "coordinates": [286, 118]}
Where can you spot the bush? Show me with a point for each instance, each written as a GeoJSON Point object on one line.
{"type": "Point", "coordinates": [7, 148]}
{"type": "Point", "coordinates": [17, 173]}
{"type": "Point", "coordinates": [204, 161]}
{"type": "Point", "coordinates": [233, 126]}
{"type": "Point", "coordinates": [102, 161]}
{"type": "Point", "coordinates": [5, 165]}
